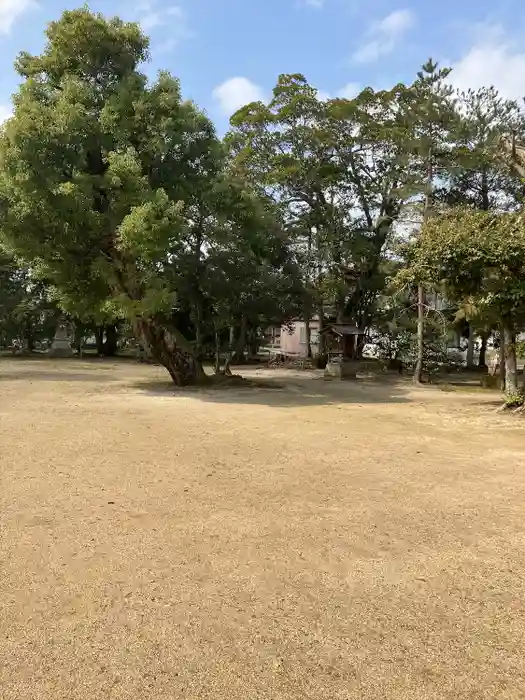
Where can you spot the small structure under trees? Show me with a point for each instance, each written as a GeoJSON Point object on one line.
{"type": "Point", "coordinates": [341, 342]}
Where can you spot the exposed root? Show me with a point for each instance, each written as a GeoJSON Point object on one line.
{"type": "Point", "coordinates": [226, 379]}
{"type": "Point", "coordinates": [514, 405]}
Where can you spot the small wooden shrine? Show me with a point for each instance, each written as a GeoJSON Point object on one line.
{"type": "Point", "coordinates": [341, 340]}
{"type": "Point", "coordinates": [341, 347]}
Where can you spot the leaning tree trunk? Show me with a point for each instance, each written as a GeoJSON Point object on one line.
{"type": "Point", "coordinates": [172, 350]}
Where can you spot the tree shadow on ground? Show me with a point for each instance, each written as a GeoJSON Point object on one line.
{"type": "Point", "coordinates": [53, 376]}
{"type": "Point", "coordinates": [47, 369]}
{"type": "Point", "coordinates": [279, 392]}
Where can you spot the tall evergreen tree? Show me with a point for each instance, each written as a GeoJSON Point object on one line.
{"type": "Point", "coordinates": [97, 168]}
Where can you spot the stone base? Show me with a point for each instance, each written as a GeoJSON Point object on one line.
{"type": "Point", "coordinates": [61, 348]}
{"type": "Point", "coordinates": [346, 369]}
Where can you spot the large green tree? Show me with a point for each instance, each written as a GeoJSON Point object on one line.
{"type": "Point", "coordinates": [480, 257]}
{"type": "Point", "coordinates": [339, 171]}
{"type": "Point", "coordinates": [98, 170]}
{"type": "Point", "coordinates": [283, 150]}
{"type": "Point", "coordinates": [482, 179]}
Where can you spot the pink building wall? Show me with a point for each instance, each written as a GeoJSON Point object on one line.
{"type": "Point", "coordinates": [295, 343]}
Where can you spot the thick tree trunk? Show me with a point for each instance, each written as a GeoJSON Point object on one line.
{"type": "Point", "coordinates": [512, 388]}
{"type": "Point", "coordinates": [470, 349]}
{"type": "Point", "coordinates": [231, 349]}
{"type": "Point", "coordinates": [110, 346]}
{"type": "Point", "coordinates": [321, 343]}
{"type": "Point", "coordinates": [360, 342]}
{"type": "Point", "coordinates": [225, 370]}
{"type": "Point", "coordinates": [418, 370]}
{"type": "Point", "coordinates": [198, 329]}
{"type": "Point", "coordinates": [502, 363]}
{"type": "Point", "coordinates": [240, 344]}
{"type": "Point", "coordinates": [99, 337]}
{"type": "Point", "coordinates": [171, 350]}
{"type": "Point", "coordinates": [308, 337]}
{"type": "Point", "coordinates": [482, 363]}
{"type": "Point", "coordinates": [217, 365]}
{"type": "Point", "coordinates": [30, 340]}
{"type": "Point", "coordinates": [253, 343]}
{"type": "Point", "coordinates": [78, 339]}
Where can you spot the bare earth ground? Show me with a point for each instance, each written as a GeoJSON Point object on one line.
{"type": "Point", "coordinates": [327, 541]}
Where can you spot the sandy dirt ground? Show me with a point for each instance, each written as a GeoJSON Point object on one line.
{"type": "Point", "coordinates": [321, 540]}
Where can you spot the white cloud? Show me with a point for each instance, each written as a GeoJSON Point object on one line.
{"type": "Point", "coordinates": [153, 16]}
{"type": "Point", "coordinates": [383, 36]}
{"type": "Point", "coordinates": [493, 59]}
{"type": "Point", "coordinates": [315, 4]}
{"type": "Point", "coordinates": [237, 92]}
{"type": "Point", "coordinates": [167, 24]}
{"type": "Point", "coordinates": [11, 11]}
{"type": "Point", "coordinates": [150, 21]}
{"type": "Point", "coordinates": [349, 91]}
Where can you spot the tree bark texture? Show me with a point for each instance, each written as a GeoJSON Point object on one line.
{"type": "Point", "coordinates": [482, 363]}
{"type": "Point", "coordinates": [502, 363]}
{"type": "Point", "coordinates": [172, 351]}
{"type": "Point", "coordinates": [110, 345]}
{"type": "Point", "coordinates": [308, 337]}
{"type": "Point", "coordinates": [470, 349]}
{"type": "Point", "coordinates": [421, 296]}
{"type": "Point", "coordinates": [511, 366]}
{"type": "Point", "coordinates": [99, 336]}
{"type": "Point", "coordinates": [418, 370]}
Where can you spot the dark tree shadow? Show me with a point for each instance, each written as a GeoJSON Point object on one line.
{"type": "Point", "coordinates": [286, 392]}
{"type": "Point", "coordinates": [53, 376]}
{"type": "Point", "coordinates": [40, 367]}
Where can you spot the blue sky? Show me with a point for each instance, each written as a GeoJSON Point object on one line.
{"type": "Point", "coordinates": [227, 52]}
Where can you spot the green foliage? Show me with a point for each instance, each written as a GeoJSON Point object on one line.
{"type": "Point", "coordinates": [474, 254]}
{"type": "Point", "coordinates": [98, 167]}
{"type": "Point", "coordinates": [28, 314]}
{"type": "Point", "coordinates": [520, 349]}
{"type": "Point", "coordinates": [340, 172]}
{"type": "Point", "coordinates": [118, 203]}
{"type": "Point", "coordinates": [88, 192]}
{"type": "Point", "coordinates": [115, 190]}
{"type": "Point", "coordinates": [481, 178]}
{"type": "Point", "coordinates": [514, 399]}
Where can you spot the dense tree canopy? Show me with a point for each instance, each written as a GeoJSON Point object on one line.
{"type": "Point", "coordinates": [121, 207]}
{"type": "Point", "coordinates": [106, 177]}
